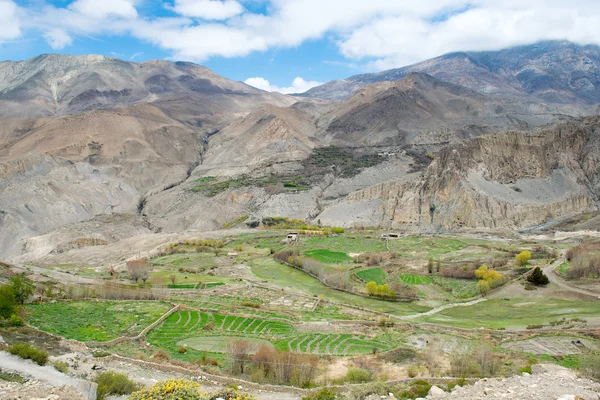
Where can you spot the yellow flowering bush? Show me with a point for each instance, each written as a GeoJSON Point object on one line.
{"type": "Point", "coordinates": [179, 389]}
{"type": "Point", "coordinates": [182, 389]}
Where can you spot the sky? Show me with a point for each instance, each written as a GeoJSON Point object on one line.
{"type": "Point", "coordinates": [288, 45]}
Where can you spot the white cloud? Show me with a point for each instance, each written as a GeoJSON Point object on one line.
{"type": "Point", "coordinates": [104, 8]}
{"type": "Point", "coordinates": [57, 38]}
{"type": "Point", "coordinates": [299, 85]}
{"type": "Point", "coordinates": [375, 33]}
{"type": "Point", "coordinates": [208, 9]}
{"type": "Point", "coordinates": [10, 28]}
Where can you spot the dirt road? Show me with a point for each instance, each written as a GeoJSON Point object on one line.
{"type": "Point", "coordinates": [560, 282]}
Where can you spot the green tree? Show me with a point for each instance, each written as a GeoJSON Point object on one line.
{"type": "Point", "coordinates": [22, 287]}
{"type": "Point", "coordinates": [430, 265]}
{"type": "Point", "coordinates": [522, 259]}
{"type": "Point", "coordinates": [371, 288]}
{"type": "Point", "coordinates": [537, 277]}
{"type": "Point", "coordinates": [8, 303]}
{"type": "Point", "coordinates": [484, 287]}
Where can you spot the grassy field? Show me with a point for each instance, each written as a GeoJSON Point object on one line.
{"type": "Point", "coordinates": [415, 279]}
{"type": "Point", "coordinates": [514, 313]}
{"type": "Point", "coordinates": [458, 288]}
{"type": "Point", "coordinates": [376, 275]}
{"type": "Point", "coordinates": [98, 321]}
{"type": "Point", "coordinates": [426, 246]}
{"type": "Point", "coordinates": [328, 256]}
{"type": "Point", "coordinates": [187, 260]}
{"type": "Point", "coordinates": [290, 278]}
{"type": "Point", "coordinates": [563, 269]}
{"type": "Point", "coordinates": [163, 276]}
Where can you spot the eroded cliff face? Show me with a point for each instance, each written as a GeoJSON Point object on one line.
{"type": "Point", "coordinates": [512, 180]}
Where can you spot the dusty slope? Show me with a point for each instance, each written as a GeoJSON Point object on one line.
{"type": "Point", "coordinates": [420, 109]}
{"type": "Point", "coordinates": [53, 84]}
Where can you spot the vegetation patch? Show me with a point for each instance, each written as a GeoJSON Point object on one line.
{"type": "Point", "coordinates": [97, 321]}
{"type": "Point", "coordinates": [376, 275]}
{"type": "Point", "coordinates": [28, 352]}
{"type": "Point", "coordinates": [458, 288]}
{"type": "Point", "coordinates": [415, 279]}
{"type": "Point", "coordinates": [210, 186]}
{"type": "Point", "coordinates": [328, 256]}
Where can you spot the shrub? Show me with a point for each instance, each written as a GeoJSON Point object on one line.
{"type": "Point", "coordinates": [249, 304]}
{"type": "Point", "coordinates": [111, 382]}
{"type": "Point", "coordinates": [484, 287]}
{"type": "Point", "coordinates": [537, 277]}
{"type": "Point", "coordinates": [417, 389]}
{"type": "Point", "coordinates": [230, 394]}
{"type": "Point", "coordinates": [61, 366]}
{"type": "Point", "coordinates": [323, 394]}
{"type": "Point", "coordinates": [25, 350]}
{"type": "Point", "coordinates": [11, 377]}
{"type": "Point", "coordinates": [161, 356]}
{"type": "Point", "coordinates": [538, 326]}
{"type": "Point", "coordinates": [182, 349]}
{"type": "Point", "coordinates": [357, 375]}
{"type": "Point", "coordinates": [525, 369]}
{"type": "Point", "coordinates": [15, 320]}
{"type": "Point", "coordinates": [400, 355]}
{"type": "Point", "coordinates": [464, 272]}
{"type": "Point", "coordinates": [590, 365]}
{"type": "Point", "coordinates": [338, 230]}
{"type": "Point", "coordinates": [100, 354]}
{"type": "Point", "coordinates": [523, 258]}
{"type": "Point", "coordinates": [172, 389]}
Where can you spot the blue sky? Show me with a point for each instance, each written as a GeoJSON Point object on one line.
{"type": "Point", "coordinates": [287, 45]}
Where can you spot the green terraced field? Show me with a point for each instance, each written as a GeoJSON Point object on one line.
{"type": "Point", "coordinates": [98, 321]}
{"type": "Point", "coordinates": [415, 279]}
{"type": "Point", "coordinates": [191, 328]}
{"type": "Point", "coordinates": [332, 344]}
{"type": "Point", "coordinates": [376, 275]}
{"type": "Point", "coordinates": [328, 256]}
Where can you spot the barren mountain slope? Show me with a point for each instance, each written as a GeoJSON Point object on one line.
{"type": "Point", "coordinates": [554, 72]}
{"type": "Point", "coordinates": [53, 84]}
{"type": "Point", "coordinates": [420, 109]}
{"type": "Point", "coordinates": [90, 135]}
{"type": "Point", "coordinates": [267, 136]}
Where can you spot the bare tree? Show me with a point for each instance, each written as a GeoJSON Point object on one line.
{"type": "Point", "coordinates": [485, 360]}
{"type": "Point", "coordinates": [139, 269]}
{"type": "Point", "coordinates": [238, 355]}
{"type": "Point", "coordinates": [433, 358]}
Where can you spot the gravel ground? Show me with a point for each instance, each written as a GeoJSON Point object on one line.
{"type": "Point", "coordinates": [35, 390]}
{"type": "Point", "coordinates": [548, 382]}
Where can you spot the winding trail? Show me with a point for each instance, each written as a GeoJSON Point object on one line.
{"type": "Point", "coordinates": [440, 308]}
{"type": "Point", "coordinates": [45, 374]}
{"type": "Point", "coordinates": [560, 282]}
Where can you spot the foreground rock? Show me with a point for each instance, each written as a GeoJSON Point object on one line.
{"type": "Point", "coordinates": [35, 390]}
{"type": "Point", "coordinates": [548, 382]}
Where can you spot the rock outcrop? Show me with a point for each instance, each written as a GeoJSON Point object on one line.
{"type": "Point", "coordinates": [513, 180]}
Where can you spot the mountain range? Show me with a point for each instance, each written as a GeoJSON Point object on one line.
{"type": "Point", "coordinates": [98, 150]}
